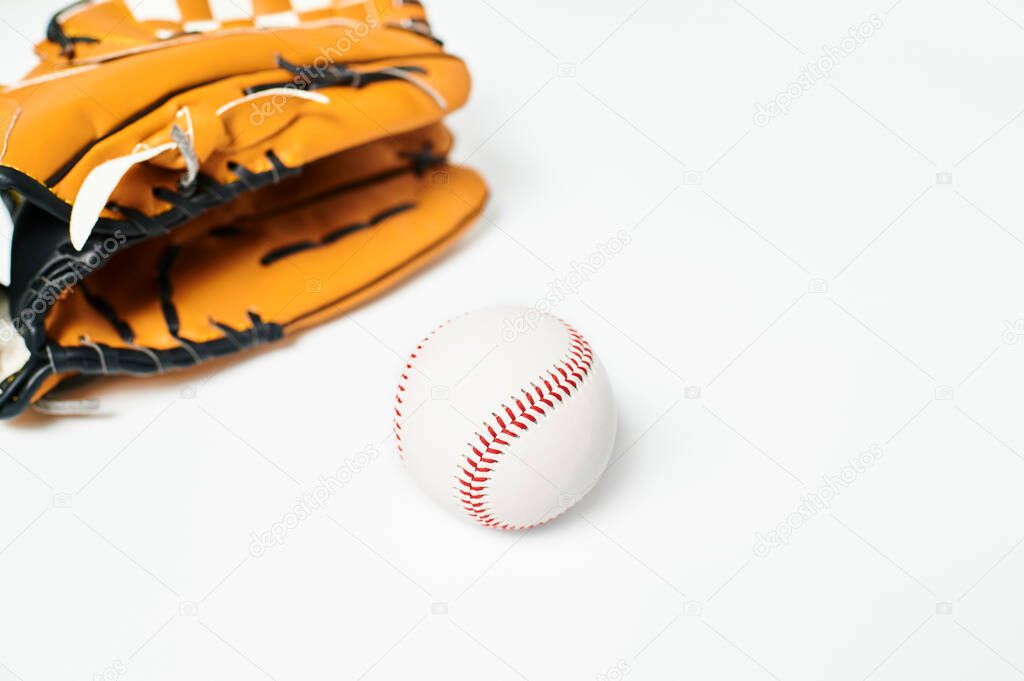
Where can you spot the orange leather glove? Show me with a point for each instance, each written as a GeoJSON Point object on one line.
{"type": "Point", "coordinates": [190, 186]}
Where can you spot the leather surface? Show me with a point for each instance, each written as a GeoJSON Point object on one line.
{"type": "Point", "coordinates": [321, 158]}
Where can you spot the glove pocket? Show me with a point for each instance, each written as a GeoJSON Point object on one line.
{"type": "Point", "coordinates": [221, 287]}
{"type": "Point", "coordinates": [278, 260]}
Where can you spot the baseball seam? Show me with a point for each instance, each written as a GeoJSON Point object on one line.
{"type": "Point", "coordinates": [536, 402]}
{"type": "Point", "coordinates": [563, 380]}
{"type": "Point", "coordinates": [559, 383]}
{"type": "Point", "coordinates": [399, 396]}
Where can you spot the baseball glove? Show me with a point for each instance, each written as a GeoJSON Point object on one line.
{"type": "Point", "coordinates": [189, 185]}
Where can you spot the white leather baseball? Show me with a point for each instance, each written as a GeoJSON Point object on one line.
{"type": "Point", "coordinates": [505, 416]}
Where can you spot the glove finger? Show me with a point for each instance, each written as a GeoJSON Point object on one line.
{"type": "Point", "coordinates": [266, 285]}
{"type": "Point", "coordinates": [97, 188]}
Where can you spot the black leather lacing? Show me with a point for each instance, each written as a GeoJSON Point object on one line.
{"type": "Point", "coordinates": [142, 223]}
{"type": "Point", "coordinates": [104, 308]}
{"type": "Point", "coordinates": [338, 75]}
{"type": "Point", "coordinates": [167, 290]}
{"type": "Point", "coordinates": [225, 232]}
{"type": "Point", "coordinates": [284, 251]}
{"type": "Point", "coordinates": [55, 33]}
{"type": "Point", "coordinates": [424, 159]}
{"type": "Point", "coordinates": [260, 332]}
{"type": "Point", "coordinates": [95, 358]}
{"type": "Point", "coordinates": [420, 28]}
{"type": "Point", "coordinates": [255, 180]}
{"type": "Point", "coordinates": [207, 194]}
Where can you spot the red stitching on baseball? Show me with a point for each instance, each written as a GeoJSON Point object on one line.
{"type": "Point", "coordinates": [567, 375]}
{"type": "Point", "coordinates": [561, 380]}
{"type": "Point", "coordinates": [402, 388]}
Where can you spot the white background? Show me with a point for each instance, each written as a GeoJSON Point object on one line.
{"type": "Point", "coordinates": [811, 282]}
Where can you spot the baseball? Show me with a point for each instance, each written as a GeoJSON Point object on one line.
{"type": "Point", "coordinates": [506, 417]}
